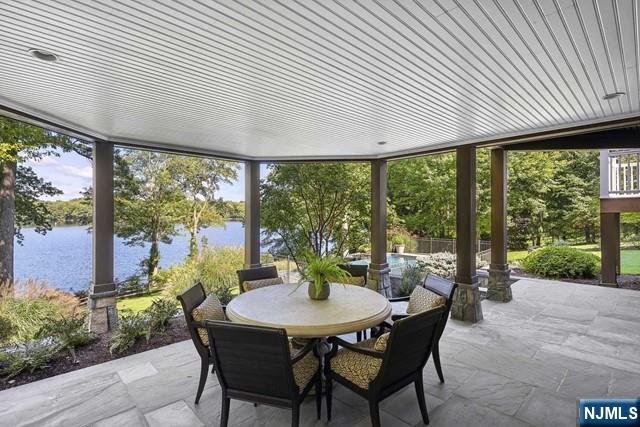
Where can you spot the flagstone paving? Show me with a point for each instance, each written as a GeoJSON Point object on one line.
{"type": "Point", "coordinates": [525, 364]}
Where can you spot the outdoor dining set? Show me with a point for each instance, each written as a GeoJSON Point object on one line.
{"type": "Point", "coordinates": [274, 345]}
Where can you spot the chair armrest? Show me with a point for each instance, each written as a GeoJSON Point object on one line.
{"type": "Point", "coordinates": [398, 316]}
{"type": "Point", "coordinates": [353, 347]}
{"type": "Point", "coordinates": [399, 299]}
{"type": "Point", "coordinates": [303, 351]}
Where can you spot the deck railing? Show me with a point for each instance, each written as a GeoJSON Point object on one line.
{"type": "Point", "coordinates": [623, 173]}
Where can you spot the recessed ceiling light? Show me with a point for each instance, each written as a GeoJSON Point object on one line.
{"type": "Point", "coordinates": [613, 95]}
{"type": "Point", "coordinates": [382, 142]}
{"type": "Point", "coordinates": [43, 55]}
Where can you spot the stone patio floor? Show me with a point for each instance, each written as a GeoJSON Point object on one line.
{"type": "Point", "coordinates": [524, 364]}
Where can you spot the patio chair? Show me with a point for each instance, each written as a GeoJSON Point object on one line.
{"type": "Point", "coordinates": [378, 367]}
{"type": "Point", "coordinates": [258, 277]}
{"type": "Point", "coordinates": [255, 364]}
{"type": "Point", "coordinates": [198, 307]}
{"type": "Point", "coordinates": [434, 291]}
{"type": "Point", "coordinates": [358, 278]}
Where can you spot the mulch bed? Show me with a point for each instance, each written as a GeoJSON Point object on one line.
{"type": "Point", "coordinates": [625, 281]}
{"type": "Point", "coordinates": [98, 352]}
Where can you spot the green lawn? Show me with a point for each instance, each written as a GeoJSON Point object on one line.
{"type": "Point", "coordinates": [629, 258]}
{"type": "Point", "coordinates": [139, 303]}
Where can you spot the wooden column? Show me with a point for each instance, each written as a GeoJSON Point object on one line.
{"type": "Point", "coordinates": [499, 288]}
{"type": "Point", "coordinates": [252, 214]}
{"type": "Point", "coordinates": [379, 268]}
{"type": "Point", "coordinates": [609, 247]}
{"type": "Point", "coordinates": [102, 301]}
{"type": "Point", "coordinates": [466, 301]}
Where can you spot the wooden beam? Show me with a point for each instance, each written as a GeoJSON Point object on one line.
{"type": "Point", "coordinates": [628, 137]}
{"type": "Point", "coordinates": [466, 302]}
{"type": "Point", "coordinates": [251, 214]}
{"type": "Point", "coordinates": [620, 204]}
{"type": "Point", "coordinates": [499, 288]}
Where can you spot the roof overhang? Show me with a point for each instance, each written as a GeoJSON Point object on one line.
{"type": "Point", "coordinates": [304, 81]}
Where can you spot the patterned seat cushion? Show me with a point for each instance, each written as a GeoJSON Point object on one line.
{"type": "Point", "coordinates": [358, 368]}
{"type": "Point", "coordinates": [250, 285]}
{"type": "Point", "coordinates": [305, 368]}
{"type": "Point", "coordinates": [209, 309]}
{"type": "Point", "coordinates": [353, 280]}
{"type": "Point", "coordinates": [422, 299]}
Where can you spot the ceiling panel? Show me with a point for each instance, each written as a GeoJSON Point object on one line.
{"type": "Point", "coordinates": [310, 79]}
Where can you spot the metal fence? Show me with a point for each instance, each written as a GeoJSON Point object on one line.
{"type": "Point", "coordinates": [431, 245]}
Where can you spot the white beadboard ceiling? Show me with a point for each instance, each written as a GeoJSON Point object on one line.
{"type": "Point", "coordinates": [282, 79]}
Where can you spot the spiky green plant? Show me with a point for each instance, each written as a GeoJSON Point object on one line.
{"type": "Point", "coordinates": [320, 270]}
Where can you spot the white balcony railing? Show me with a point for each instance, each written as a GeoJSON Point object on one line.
{"type": "Point", "coordinates": [619, 173]}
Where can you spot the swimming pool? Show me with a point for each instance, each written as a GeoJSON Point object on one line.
{"type": "Point", "coordinates": [397, 262]}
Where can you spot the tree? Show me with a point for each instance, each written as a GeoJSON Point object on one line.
{"type": "Point", "coordinates": [21, 188]}
{"type": "Point", "coordinates": [148, 202]}
{"type": "Point", "coordinates": [199, 180]}
{"type": "Point", "coordinates": [320, 209]}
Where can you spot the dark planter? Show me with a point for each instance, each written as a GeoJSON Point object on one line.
{"type": "Point", "coordinates": [324, 292]}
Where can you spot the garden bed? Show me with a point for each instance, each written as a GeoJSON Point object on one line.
{"type": "Point", "coordinates": [98, 352]}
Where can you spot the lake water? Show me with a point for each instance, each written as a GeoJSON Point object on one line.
{"type": "Point", "coordinates": [62, 257]}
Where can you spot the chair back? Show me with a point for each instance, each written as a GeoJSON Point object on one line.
{"type": "Point", "coordinates": [356, 270]}
{"type": "Point", "coordinates": [256, 273]}
{"type": "Point", "coordinates": [253, 360]}
{"type": "Point", "coordinates": [408, 347]}
{"type": "Point", "coordinates": [190, 299]}
{"type": "Point", "coordinates": [443, 287]}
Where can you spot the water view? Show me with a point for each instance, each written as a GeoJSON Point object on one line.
{"type": "Point", "coordinates": [62, 257]}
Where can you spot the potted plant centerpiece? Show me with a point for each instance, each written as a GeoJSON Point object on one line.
{"type": "Point", "coordinates": [398, 242]}
{"type": "Point", "coordinates": [319, 272]}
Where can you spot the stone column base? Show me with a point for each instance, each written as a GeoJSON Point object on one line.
{"type": "Point", "coordinates": [380, 281]}
{"type": "Point", "coordinates": [499, 288]}
{"type": "Point", "coordinates": [103, 315]}
{"type": "Point", "coordinates": [466, 303]}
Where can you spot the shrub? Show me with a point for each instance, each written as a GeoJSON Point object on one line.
{"type": "Point", "coordinates": [215, 268]}
{"type": "Point", "coordinates": [441, 264]}
{"type": "Point", "coordinates": [562, 262]}
{"type": "Point", "coordinates": [160, 312]}
{"type": "Point", "coordinates": [26, 307]}
{"type": "Point", "coordinates": [131, 326]}
{"type": "Point", "coordinates": [27, 357]}
{"type": "Point", "coordinates": [68, 332]}
{"type": "Point", "coordinates": [411, 277]}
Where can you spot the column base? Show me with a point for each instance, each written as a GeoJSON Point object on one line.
{"type": "Point", "coordinates": [499, 288]}
{"type": "Point", "coordinates": [103, 315]}
{"type": "Point", "coordinates": [608, 285]}
{"type": "Point", "coordinates": [466, 303]}
{"type": "Point", "coordinates": [380, 281]}
{"type": "Point", "coordinates": [248, 266]}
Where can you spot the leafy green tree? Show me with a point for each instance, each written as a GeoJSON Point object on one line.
{"type": "Point", "coordinates": [199, 180]}
{"type": "Point", "coordinates": [148, 203]}
{"type": "Point", "coordinates": [21, 188]}
{"type": "Point", "coordinates": [74, 211]}
{"type": "Point", "coordinates": [317, 209]}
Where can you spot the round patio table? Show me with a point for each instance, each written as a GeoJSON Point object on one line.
{"type": "Point", "coordinates": [349, 309]}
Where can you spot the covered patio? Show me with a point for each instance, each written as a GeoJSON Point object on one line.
{"type": "Point", "coordinates": [269, 82]}
{"type": "Point", "coordinates": [524, 364]}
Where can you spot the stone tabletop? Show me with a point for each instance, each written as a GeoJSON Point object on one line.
{"type": "Point", "coordinates": [348, 309]}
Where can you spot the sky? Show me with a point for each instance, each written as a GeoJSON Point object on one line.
{"type": "Point", "coordinates": [71, 173]}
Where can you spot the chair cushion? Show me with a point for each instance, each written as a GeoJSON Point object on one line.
{"type": "Point", "coordinates": [304, 369]}
{"type": "Point", "coordinates": [381, 342]}
{"type": "Point", "coordinates": [209, 309]}
{"type": "Point", "coordinates": [422, 299]}
{"type": "Point", "coordinates": [353, 280]}
{"type": "Point", "coordinates": [250, 285]}
{"type": "Point", "coordinates": [360, 369]}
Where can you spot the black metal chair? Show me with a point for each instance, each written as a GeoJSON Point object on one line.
{"type": "Point", "coordinates": [445, 288]}
{"type": "Point", "coordinates": [254, 364]}
{"type": "Point", "coordinates": [190, 299]}
{"type": "Point", "coordinates": [357, 270]}
{"type": "Point", "coordinates": [376, 373]}
{"type": "Point", "coordinates": [256, 273]}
